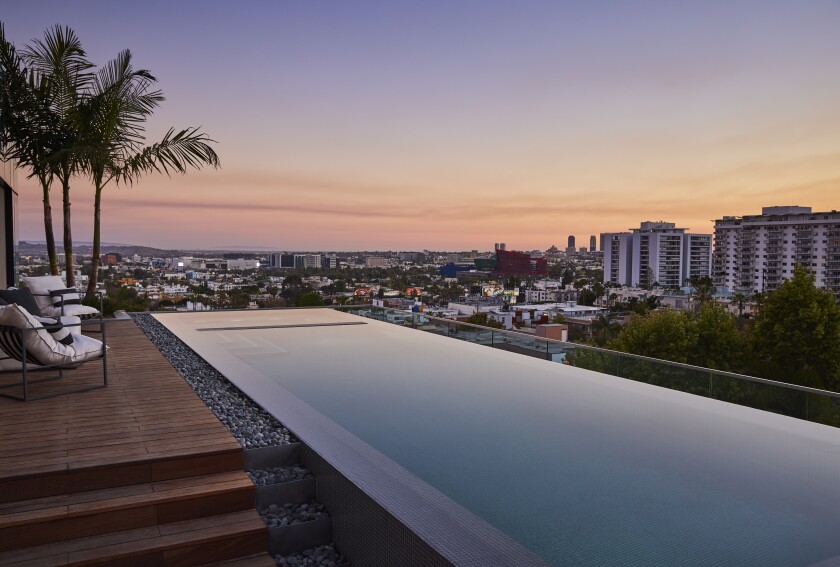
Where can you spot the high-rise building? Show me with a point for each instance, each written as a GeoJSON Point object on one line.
{"type": "Point", "coordinates": [756, 253]}
{"type": "Point", "coordinates": [329, 261]}
{"type": "Point", "coordinates": [656, 253]}
{"type": "Point", "coordinates": [304, 261]}
{"type": "Point", "coordinates": [592, 243]}
{"type": "Point", "coordinates": [375, 262]}
{"type": "Point", "coordinates": [570, 247]}
{"type": "Point", "coordinates": [281, 260]}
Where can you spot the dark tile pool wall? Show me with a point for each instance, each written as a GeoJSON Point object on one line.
{"type": "Point", "coordinates": [364, 532]}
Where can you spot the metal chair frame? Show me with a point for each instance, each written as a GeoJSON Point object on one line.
{"type": "Point", "coordinates": [26, 370]}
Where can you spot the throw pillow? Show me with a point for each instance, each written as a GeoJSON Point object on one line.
{"type": "Point", "coordinates": [65, 297]}
{"type": "Point", "coordinates": [22, 297]}
{"type": "Point", "coordinates": [41, 287]}
{"type": "Point", "coordinates": [58, 331]}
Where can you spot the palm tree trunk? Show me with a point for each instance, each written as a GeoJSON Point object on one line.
{"type": "Point", "coordinates": [48, 228]}
{"type": "Point", "coordinates": [94, 262]}
{"type": "Point", "coordinates": [68, 233]}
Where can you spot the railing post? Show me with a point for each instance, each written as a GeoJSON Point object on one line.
{"type": "Point", "coordinates": [710, 384]}
{"type": "Point", "coordinates": [25, 376]}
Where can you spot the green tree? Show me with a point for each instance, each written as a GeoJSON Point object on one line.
{"type": "Point", "coordinates": [291, 288]}
{"type": "Point", "coordinates": [604, 330]}
{"type": "Point", "coordinates": [30, 130]}
{"type": "Point", "coordinates": [740, 299]}
{"type": "Point", "coordinates": [662, 334]}
{"type": "Point", "coordinates": [481, 318]}
{"type": "Point", "coordinates": [310, 299]}
{"type": "Point", "coordinates": [717, 341]}
{"type": "Point", "coordinates": [62, 73]}
{"type": "Point", "coordinates": [704, 288]}
{"type": "Point", "coordinates": [796, 337]}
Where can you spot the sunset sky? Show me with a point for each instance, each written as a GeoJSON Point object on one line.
{"type": "Point", "coordinates": [454, 124]}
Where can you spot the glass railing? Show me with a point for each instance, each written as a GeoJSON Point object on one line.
{"type": "Point", "coordinates": [802, 402]}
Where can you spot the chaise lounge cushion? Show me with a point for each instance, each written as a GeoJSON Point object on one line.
{"type": "Point", "coordinates": [22, 297]}
{"type": "Point", "coordinates": [51, 291]}
{"type": "Point", "coordinates": [41, 347]}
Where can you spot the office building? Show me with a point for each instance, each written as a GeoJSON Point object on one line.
{"type": "Point", "coordinates": [570, 246]}
{"type": "Point", "coordinates": [656, 253]}
{"type": "Point", "coordinates": [592, 243]}
{"type": "Point", "coordinates": [512, 263]}
{"type": "Point", "coordinates": [756, 253]}
{"type": "Point", "coordinates": [375, 262]}
{"type": "Point", "coordinates": [306, 261]}
{"type": "Point", "coordinates": [330, 261]}
{"type": "Point", "coordinates": [281, 260]}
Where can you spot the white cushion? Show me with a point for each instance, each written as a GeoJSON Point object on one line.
{"type": "Point", "coordinates": [73, 324]}
{"type": "Point", "coordinates": [85, 348]}
{"type": "Point", "coordinates": [81, 311]}
{"type": "Point", "coordinates": [41, 286]}
{"type": "Point", "coordinates": [39, 343]}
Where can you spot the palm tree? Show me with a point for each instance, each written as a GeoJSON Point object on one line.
{"type": "Point", "coordinates": [62, 74]}
{"type": "Point", "coordinates": [740, 299]}
{"type": "Point", "coordinates": [29, 130]}
{"type": "Point", "coordinates": [112, 119]}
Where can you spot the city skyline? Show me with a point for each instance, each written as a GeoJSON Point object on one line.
{"type": "Point", "coordinates": [375, 126]}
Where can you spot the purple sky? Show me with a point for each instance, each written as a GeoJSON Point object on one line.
{"type": "Point", "coordinates": [454, 125]}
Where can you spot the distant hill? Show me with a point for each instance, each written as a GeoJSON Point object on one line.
{"type": "Point", "coordinates": [35, 248]}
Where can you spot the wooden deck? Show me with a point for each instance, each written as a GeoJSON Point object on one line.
{"type": "Point", "coordinates": [140, 472]}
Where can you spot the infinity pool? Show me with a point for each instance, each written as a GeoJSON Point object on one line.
{"type": "Point", "coordinates": [580, 467]}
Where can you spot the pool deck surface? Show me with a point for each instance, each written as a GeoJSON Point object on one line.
{"type": "Point", "coordinates": [140, 471]}
{"type": "Point", "coordinates": [146, 412]}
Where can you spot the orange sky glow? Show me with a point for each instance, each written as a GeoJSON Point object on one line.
{"type": "Point", "coordinates": [339, 135]}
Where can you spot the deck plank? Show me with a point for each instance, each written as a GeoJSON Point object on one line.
{"type": "Point", "coordinates": [147, 413]}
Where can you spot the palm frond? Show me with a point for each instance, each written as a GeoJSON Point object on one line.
{"type": "Point", "coordinates": [121, 99]}
{"type": "Point", "coordinates": [175, 153]}
{"type": "Point", "coordinates": [59, 67]}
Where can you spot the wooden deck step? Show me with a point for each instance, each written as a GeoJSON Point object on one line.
{"type": "Point", "coordinates": [179, 544]}
{"type": "Point", "coordinates": [76, 515]}
{"type": "Point", "coordinates": [34, 479]}
{"type": "Point", "coordinates": [258, 560]}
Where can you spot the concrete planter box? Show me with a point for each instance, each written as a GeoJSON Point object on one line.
{"type": "Point", "coordinates": [297, 537]}
{"type": "Point", "coordinates": [270, 457]}
{"type": "Point", "coordinates": [291, 492]}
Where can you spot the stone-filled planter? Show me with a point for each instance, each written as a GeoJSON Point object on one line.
{"type": "Point", "coordinates": [284, 540]}
{"type": "Point", "coordinates": [273, 456]}
{"type": "Point", "coordinates": [293, 491]}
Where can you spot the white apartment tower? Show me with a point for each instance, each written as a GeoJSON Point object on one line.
{"type": "Point", "coordinates": [756, 253]}
{"type": "Point", "coordinates": [656, 253]}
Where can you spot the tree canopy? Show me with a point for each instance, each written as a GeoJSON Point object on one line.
{"type": "Point", "coordinates": [796, 337]}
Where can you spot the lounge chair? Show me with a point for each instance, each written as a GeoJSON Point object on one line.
{"type": "Point", "coordinates": [55, 299]}
{"type": "Point", "coordinates": [30, 344]}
